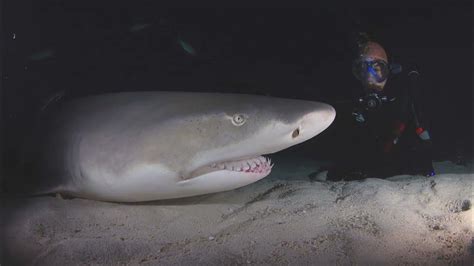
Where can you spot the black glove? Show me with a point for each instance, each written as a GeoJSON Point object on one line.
{"type": "Point", "coordinates": [359, 116]}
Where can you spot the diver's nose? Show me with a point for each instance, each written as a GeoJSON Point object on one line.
{"type": "Point", "coordinates": [316, 121]}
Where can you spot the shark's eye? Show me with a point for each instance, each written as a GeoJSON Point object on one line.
{"type": "Point", "coordinates": [239, 119]}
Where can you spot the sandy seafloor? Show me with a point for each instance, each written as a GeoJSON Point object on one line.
{"type": "Point", "coordinates": [290, 217]}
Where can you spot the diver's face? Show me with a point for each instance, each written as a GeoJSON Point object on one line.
{"type": "Point", "coordinates": [372, 73]}
{"type": "Point", "coordinates": [374, 86]}
{"type": "Point", "coordinates": [376, 75]}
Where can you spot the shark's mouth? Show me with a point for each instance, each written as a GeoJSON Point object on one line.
{"type": "Point", "coordinates": [257, 165]}
{"type": "Point", "coordinates": [254, 165]}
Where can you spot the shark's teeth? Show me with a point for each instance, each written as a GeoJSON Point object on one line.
{"type": "Point", "coordinates": [254, 165]}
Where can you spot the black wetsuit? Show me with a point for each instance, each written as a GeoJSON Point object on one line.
{"type": "Point", "coordinates": [385, 141]}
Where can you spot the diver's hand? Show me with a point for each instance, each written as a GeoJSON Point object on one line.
{"type": "Point", "coordinates": [358, 116]}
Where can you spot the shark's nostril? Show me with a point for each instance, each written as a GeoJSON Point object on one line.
{"type": "Point", "coordinates": [296, 133]}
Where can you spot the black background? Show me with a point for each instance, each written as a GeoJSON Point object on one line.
{"type": "Point", "coordinates": [302, 53]}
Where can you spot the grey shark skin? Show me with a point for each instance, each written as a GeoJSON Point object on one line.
{"type": "Point", "coordinates": [143, 146]}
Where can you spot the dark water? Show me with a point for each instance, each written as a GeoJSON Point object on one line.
{"type": "Point", "coordinates": [74, 48]}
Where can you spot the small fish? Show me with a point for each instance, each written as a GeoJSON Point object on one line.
{"type": "Point", "coordinates": [56, 97]}
{"type": "Point", "coordinates": [187, 47]}
{"type": "Point", "coordinates": [45, 54]}
{"type": "Point", "coordinates": [138, 27]}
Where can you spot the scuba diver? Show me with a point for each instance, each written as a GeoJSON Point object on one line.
{"type": "Point", "coordinates": [387, 130]}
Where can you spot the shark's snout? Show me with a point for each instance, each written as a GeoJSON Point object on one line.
{"type": "Point", "coordinates": [314, 122]}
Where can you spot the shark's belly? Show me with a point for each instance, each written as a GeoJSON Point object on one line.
{"type": "Point", "coordinates": [154, 182]}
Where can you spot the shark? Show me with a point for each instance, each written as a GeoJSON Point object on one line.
{"type": "Point", "coordinates": [155, 145]}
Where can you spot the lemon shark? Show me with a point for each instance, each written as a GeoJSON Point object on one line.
{"type": "Point", "coordinates": [143, 146]}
